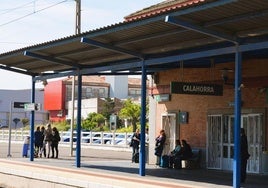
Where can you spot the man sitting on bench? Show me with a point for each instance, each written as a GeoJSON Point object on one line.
{"type": "Point", "coordinates": [184, 154]}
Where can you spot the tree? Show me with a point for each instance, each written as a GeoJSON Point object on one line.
{"type": "Point", "coordinates": [25, 121]}
{"type": "Point", "coordinates": [93, 121]}
{"type": "Point", "coordinates": [108, 108]}
{"type": "Point", "coordinates": [132, 112]}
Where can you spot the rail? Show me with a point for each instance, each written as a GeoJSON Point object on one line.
{"type": "Point", "coordinates": [87, 137]}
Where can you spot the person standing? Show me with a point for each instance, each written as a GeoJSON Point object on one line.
{"type": "Point", "coordinates": [43, 147]}
{"type": "Point", "coordinates": [244, 155]}
{"type": "Point", "coordinates": [55, 142]}
{"type": "Point", "coordinates": [159, 145]}
{"type": "Point", "coordinates": [48, 139]}
{"type": "Point", "coordinates": [135, 142]}
{"type": "Point", "coordinates": [38, 142]}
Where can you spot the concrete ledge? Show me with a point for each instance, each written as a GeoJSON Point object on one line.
{"type": "Point", "coordinates": [30, 175]}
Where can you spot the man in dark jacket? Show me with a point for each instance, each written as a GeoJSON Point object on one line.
{"type": "Point", "coordinates": [135, 142]}
{"type": "Point", "coordinates": [244, 155]}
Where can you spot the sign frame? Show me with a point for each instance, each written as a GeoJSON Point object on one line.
{"type": "Point", "coordinates": [191, 88]}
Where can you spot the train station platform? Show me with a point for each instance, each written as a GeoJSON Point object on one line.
{"type": "Point", "coordinates": [110, 169]}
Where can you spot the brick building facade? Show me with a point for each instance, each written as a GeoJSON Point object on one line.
{"type": "Point", "coordinates": [204, 109]}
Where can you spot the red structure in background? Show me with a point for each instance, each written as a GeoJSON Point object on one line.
{"type": "Point", "coordinates": [54, 100]}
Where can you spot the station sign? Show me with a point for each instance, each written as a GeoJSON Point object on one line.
{"type": "Point", "coordinates": [196, 88]}
{"type": "Point", "coordinates": [19, 104]}
{"type": "Point", "coordinates": [29, 107]}
{"type": "Point", "coordinates": [162, 97]}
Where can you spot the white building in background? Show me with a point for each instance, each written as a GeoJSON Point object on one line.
{"type": "Point", "coordinates": [58, 94]}
{"type": "Point", "coordinates": [7, 99]}
{"type": "Point", "coordinates": [118, 86]}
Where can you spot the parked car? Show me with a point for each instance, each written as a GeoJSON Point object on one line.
{"type": "Point", "coordinates": [120, 138]}
{"type": "Point", "coordinates": [106, 138]}
{"type": "Point", "coordinates": [3, 126]}
{"type": "Point", "coordinates": [66, 137]}
{"type": "Point", "coordinates": [86, 138]}
{"type": "Point", "coordinates": [124, 141]}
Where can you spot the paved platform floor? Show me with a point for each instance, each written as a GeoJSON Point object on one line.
{"type": "Point", "coordinates": [114, 169]}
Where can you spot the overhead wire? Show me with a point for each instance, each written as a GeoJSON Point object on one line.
{"type": "Point", "coordinates": [20, 7]}
{"type": "Point", "coordinates": [19, 18]}
{"type": "Point", "coordinates": [6, 11]}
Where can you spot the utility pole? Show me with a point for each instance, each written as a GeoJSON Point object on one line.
{"type": "Point", "coordinates": [77, 31]}
{"type": "Point", "coordinates": [78, 17]}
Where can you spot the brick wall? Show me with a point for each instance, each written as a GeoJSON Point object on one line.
{"type": "Point", "coordinates": [255, 76]}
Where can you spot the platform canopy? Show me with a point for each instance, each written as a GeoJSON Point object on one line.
{"type": "Point", "coordinates": [194, 34]}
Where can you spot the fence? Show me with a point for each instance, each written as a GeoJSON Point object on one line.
{"type": "Point", "coordinates": [87, 138]}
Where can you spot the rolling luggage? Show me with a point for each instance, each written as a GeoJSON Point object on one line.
{"type": "Point", "coordinates": [164, 162]}
{"type": "Point", "coordinates": [25, 149]}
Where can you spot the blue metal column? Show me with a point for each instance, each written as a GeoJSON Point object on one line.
{"type": "Point", "coordinates": [78, 120]}
{"type": "Point", "coordinates": [237, 159]}
{"type": "Point", "coordinates": [32, 123]}
{"type": "Point", "coordinates": [143, 121]}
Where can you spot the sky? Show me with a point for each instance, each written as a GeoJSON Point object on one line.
{"type": "Point", "coordinates": [28, 22]}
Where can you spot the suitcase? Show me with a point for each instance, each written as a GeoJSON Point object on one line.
{"type": "Point", "coordinates": [164, 162]}
{"type": "Point", "coordinates": [25, 150]}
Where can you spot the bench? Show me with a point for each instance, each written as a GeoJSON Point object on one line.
{"type": "Point", "coordinates": [194, 161]}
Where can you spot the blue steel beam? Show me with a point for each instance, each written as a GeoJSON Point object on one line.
{"type": "Point", "coordinates": [32, 122]}
{"type": "Point", "coordinates": [55, 75]}
{"type": "Point", "coordinates": [78, 120]}
{"type": "Point", "coordinates": [16, 70]}
{"type": "Point", "coordinates": [143, 121]}
{"type": "Point", "coordinates": [237, 126]}
{"type": "Point", "coordinates": [175, 58]}
{"type": "Point", "coordinates": [237, 18]}
{"type": "Point", "coordinates": [200, 29]}
{"type": "Point", "coordinates": [74, 73]}
{"type": "Point", "coordinates": [159, 61]}
{"type": "Point", "coordinates": [124, 66]}
{"type": "Point", "coordinates": [207, 53]}
{"type": "Point", "coordinates": [110, 47]}
{"type": "Point", "coordinates": [50, 59]}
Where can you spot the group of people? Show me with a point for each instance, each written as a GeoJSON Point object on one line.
{"type": "Point", "coordinates": [182, 151]}
{"type": "Point", "coordinates": [46, 141]}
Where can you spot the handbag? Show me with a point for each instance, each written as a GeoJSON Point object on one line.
{"type": "Point", "coordinates": [131, 143]}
